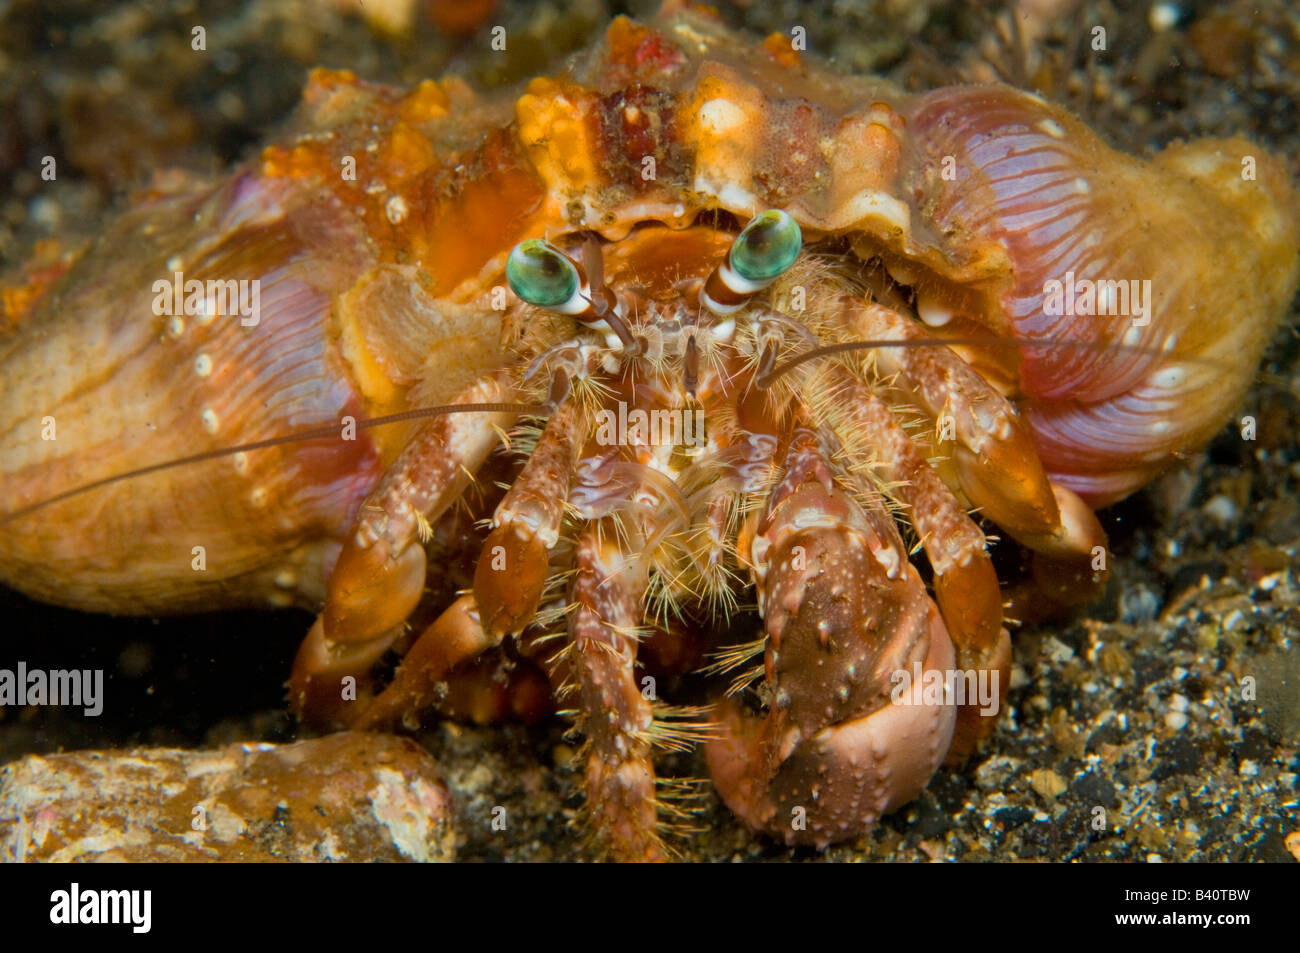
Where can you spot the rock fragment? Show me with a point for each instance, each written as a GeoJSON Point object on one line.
{"type": "Point", "coordinates": [350, 796]}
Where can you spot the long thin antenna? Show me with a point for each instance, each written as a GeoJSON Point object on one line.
{"type": "Point", "coordinates": [298, 437]}
{"type": "Point", "coordinates": [1028, 343]}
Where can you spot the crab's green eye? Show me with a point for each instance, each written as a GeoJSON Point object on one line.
{"type": "Point", "coordinates": [541, 274]}
{"type": "Point", "coordinates": [767, 247]}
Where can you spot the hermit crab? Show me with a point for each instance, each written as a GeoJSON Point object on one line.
{"type": "Point", "coordinates": [584, 379]}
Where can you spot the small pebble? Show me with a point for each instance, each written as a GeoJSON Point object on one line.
{"type": "Point", "coordinates": [396, 209]}
{"type": "Point", "coordinates": [1138, 605]}
{"type": "Point", "coordinates": [1056, 650]}
{"type": "Point", "coordinates": [1221, 509]}
{"type": "Point", "coordinates": [46, 212]}
{"type": "Point", "coordinates": [1163, 16]}
{"type": "Point", "coordinates": [1047, 783]}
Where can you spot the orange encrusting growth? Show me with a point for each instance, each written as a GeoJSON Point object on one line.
{"type": "Point", "coordinates": [635, 50]}
{"type": "Point", "coordinates": [448, 215]}
{"type": "Point", "coordinates": [781, 49]}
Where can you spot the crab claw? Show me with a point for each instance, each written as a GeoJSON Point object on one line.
{"type": "Point", "coordinates": [841, 781]}
{"type": "Point", "coordinates": [854, 726]}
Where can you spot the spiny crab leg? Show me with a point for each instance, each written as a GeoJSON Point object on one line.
{"type": "Point", "coordinates": [615, 717]}
{"type": "Point", "coordinates": [964, 579]}
{"type": "Point", "coordinates": [996, 463]}
{"type": "Point", "coordinates": [844, 611]}
{"type": "Point", "coordinates": [510, 576]}
{"type": "Point", "coordinates": [515, 563]}
{"type": "Point", "coordinates": [509, 580]}
{"type": "Point", "coordinates": [380, 573]}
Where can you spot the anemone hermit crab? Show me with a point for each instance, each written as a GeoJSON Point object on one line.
{"type": "Point", "coordinates": [715, 318]}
